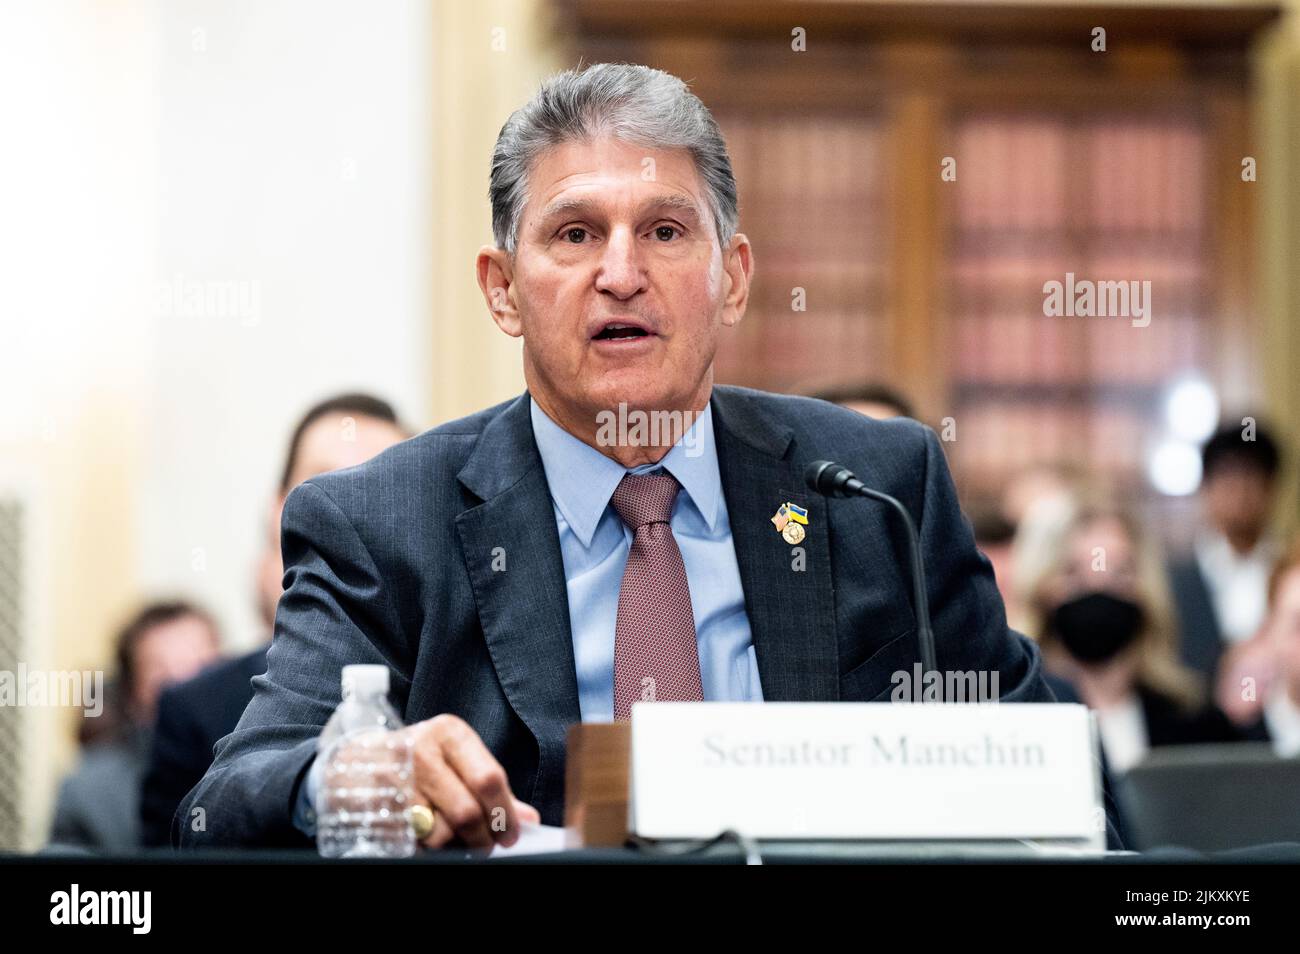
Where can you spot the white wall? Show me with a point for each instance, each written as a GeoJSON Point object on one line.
{"type": "Point", "coordinates": [295, 173]}
{"type": "Point", "coordinates": [77, 241]}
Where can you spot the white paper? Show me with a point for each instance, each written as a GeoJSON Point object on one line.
{"type": "Point", "coordinates": [533, 840]}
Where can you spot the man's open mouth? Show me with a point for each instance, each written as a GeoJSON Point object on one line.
{"type": "Point", "coordinates": [615, 330]}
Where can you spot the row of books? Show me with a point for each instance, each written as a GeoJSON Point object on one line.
{"type": "Point", "coordinates": [1000, 437]}
{"type": "Point", "coordinates": [1017, 173]}
{"type": "Point", "coordinates": [786, 351]}
{"type": "Point", "coordinates": [1035, 349]}
{"type": "Point", "coordinates": [1039, 173]}
{"type": "Point", "coordinates": [1171, 268]}
{"type": "Point", "coordinates": [846, 339]}
{"type": "Point", "coordinates": [794, 160]}
{"type": "Point", "coordinates": [812, 198]}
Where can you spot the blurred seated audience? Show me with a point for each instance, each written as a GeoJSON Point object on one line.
{"type": "Point", "coordinates": [98, 804]}
{"type": "Point", "coordinates": [874, 400]}
{"type": "Point", "coordinates": [1260, 684]}
{"type": "Point", "coordinates": [339, 432]}
{"type": "Point", "coordinates": [1220, 587]}
{"type": "Point", "coordinates": [1096, 599]}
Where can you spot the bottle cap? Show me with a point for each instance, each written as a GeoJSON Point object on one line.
{"type": "Point", "coordinates": [364, 681]}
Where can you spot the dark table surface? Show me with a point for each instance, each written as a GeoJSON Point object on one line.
{"type": "Point", "coordinates": [728, 852]}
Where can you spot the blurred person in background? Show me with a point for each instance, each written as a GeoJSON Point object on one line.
{"type": "Point", "coordinates": [1098, 603]}
{"type": "Point", "coordinates": [193, 716]}
{"type": "Point", "coordinates": [98, 802]}
{"type": "Point", "coordinates": [1042, 484]}
{"type": "Point", "coordinates": [995, 535]}
{"type": "Point", "coordinates": [1221, 587]}
{"type": "Point", "coordinates": [874, 400]}
{"type": "Point", "coordinates": [1260, 687]}
{"type": "Point", "coordinates": [1034, 503]}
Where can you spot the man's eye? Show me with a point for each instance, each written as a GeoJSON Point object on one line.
{"type": "Point", "coordinates": [665, 233]}
{"type": "Point", "coordinates": [575, 236]}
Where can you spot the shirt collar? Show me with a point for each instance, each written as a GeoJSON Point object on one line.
{"type": "Point", "coordinates": [1215, 552]}
{"type": "Point", "coordinates": [582, 479]}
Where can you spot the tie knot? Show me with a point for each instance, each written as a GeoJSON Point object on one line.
{"type": "Point", "coordinates": [645, 498]}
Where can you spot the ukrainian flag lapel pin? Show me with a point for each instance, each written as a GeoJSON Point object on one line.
{"type": "Point", "coordinates": [790, 520]}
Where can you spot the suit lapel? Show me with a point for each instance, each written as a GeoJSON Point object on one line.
{"type": "Point", "coordinates": [522, 603]}
{"type": "Point", "coordinates": [791, 613]}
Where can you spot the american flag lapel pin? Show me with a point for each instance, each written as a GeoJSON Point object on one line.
{"type": "Point", "coordinates": [790, 520]}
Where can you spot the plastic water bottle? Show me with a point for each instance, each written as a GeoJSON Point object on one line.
{"type": "Point", "coordinates": [367, 786]}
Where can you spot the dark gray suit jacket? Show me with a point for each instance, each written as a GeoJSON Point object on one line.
{"type": "Point", "coordinates": [392, 562]}
{"type": "Point", "coordinates": [1200, 642]}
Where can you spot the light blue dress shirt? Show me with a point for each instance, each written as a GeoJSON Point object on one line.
{"type": "Point", "coordinates": [594, 544]}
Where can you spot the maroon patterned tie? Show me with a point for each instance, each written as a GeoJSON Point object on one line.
{"type": "Point", "coordinates": [655, 656]}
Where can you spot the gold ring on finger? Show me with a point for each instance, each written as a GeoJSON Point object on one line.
{"type": "Point", "coordinates": [422, 820]}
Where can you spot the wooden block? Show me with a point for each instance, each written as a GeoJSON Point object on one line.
{"type": "Point", "coordinates": [596, 776]}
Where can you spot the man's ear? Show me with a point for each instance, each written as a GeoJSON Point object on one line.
{"type": "Point", "coordinates": [737, 270]}
{"type": "Point", "coordinates": [495, 270]}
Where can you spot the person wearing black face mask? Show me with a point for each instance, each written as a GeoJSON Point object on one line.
{"type": "Point", "coordinates": [1103, 623]}
{"type": "Point", "coordinates": [1096, 626]}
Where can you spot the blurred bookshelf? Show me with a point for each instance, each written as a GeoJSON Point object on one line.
{"type": "Point", "coordinates": [1109, 197]}
{"type": "Point", "coordinates": [814, 193]}
{"type": "Point", "coordinates": [1116, 165]}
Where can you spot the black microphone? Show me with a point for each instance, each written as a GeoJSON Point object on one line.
{"type": "Point", "coordinates": [835, 480]}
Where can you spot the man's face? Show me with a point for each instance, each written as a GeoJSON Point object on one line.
{"type": "Point", "coordinates": [341, 440]}
{"type": "Point", "coordinates": [1238, 499]}
{"type": "Point", "coordinates": [617, 234]}
{"type": "Point", "coordinates": [168, 653]}
{"type": "Point", "coordinates": [331, 443]}
{"type": "Point", "coordinates": [1100, 556]}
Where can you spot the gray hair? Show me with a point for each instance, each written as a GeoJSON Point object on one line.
{"type": "Point", "coordinates": [635, 104]}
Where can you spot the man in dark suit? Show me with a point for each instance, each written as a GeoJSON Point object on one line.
{"type": "Point", "coordinates": [614, 532]}
{"type": "Point", "coordinates": [194, 715]}
{"type": "Point", "coordinates": [1220, 587]}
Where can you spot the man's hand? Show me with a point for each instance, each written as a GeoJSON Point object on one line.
{"type": "Point", "coordinates": [465, 785]}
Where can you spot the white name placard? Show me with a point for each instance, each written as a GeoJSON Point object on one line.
{"type": "Point", "coordinates": [890, 771]}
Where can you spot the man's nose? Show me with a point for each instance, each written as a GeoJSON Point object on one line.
{"type": "Point", "coordinates": [621, 272]}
